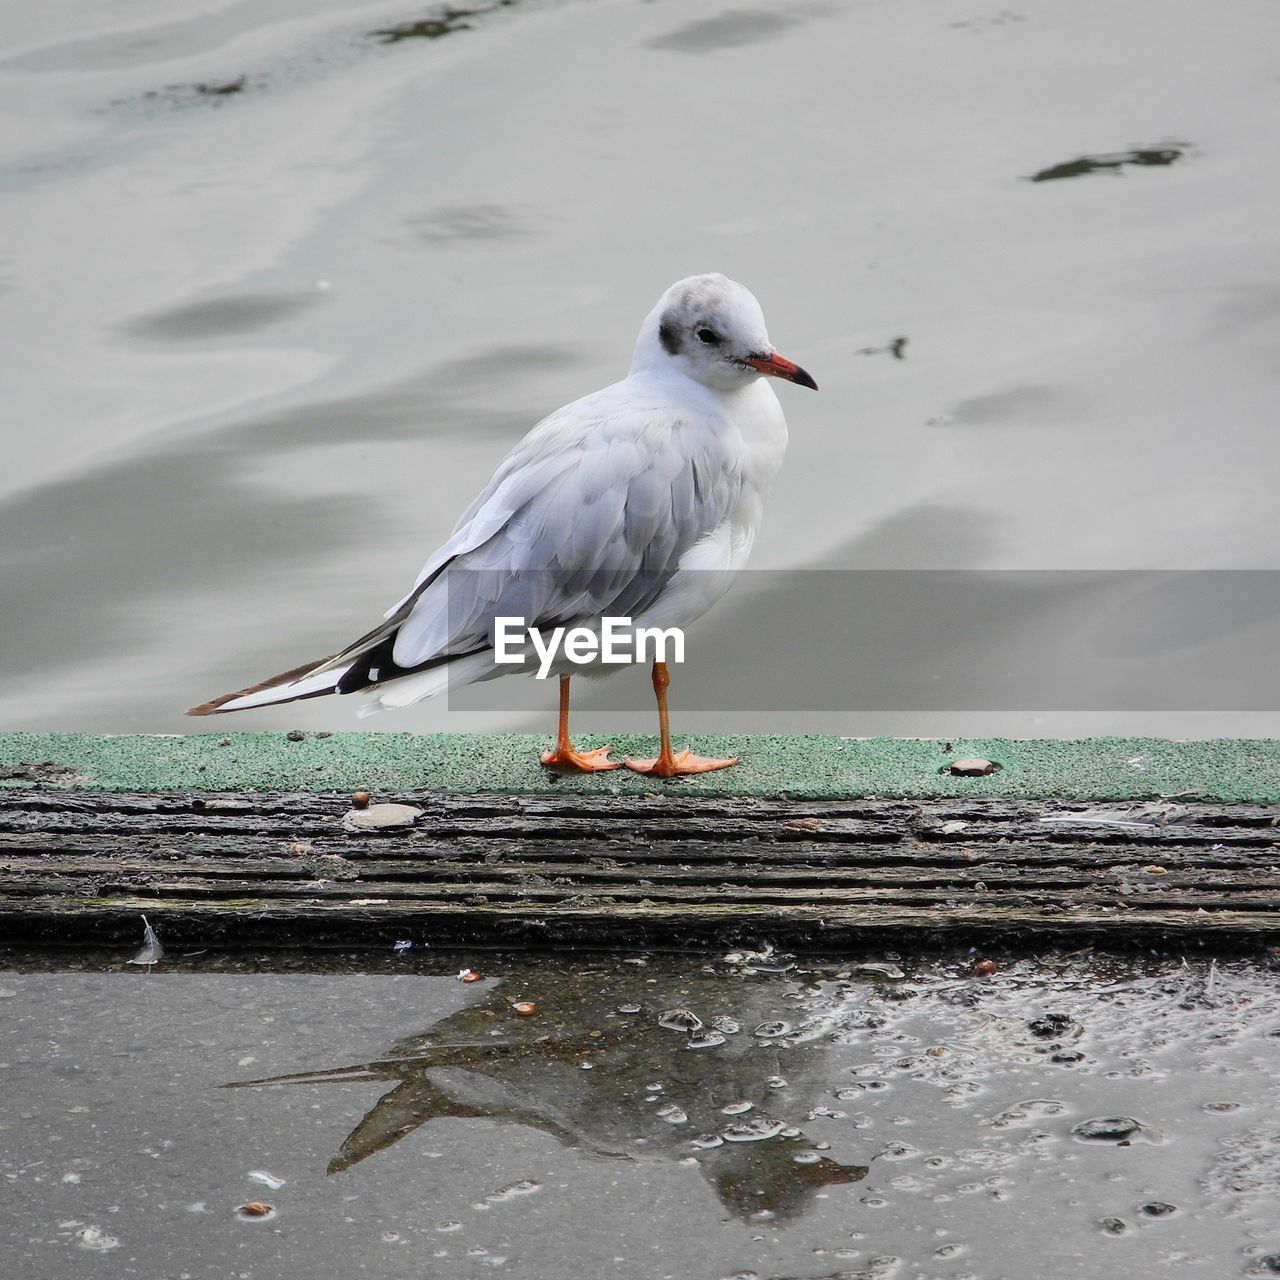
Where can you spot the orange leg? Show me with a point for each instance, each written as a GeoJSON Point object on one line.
{"type": "Point", "coordinates": [668, 764]}
{"type": "Point", "coordinates": [563, 756]}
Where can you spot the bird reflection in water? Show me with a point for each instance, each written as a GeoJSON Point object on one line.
{"type": "Point", "coordinates": [728, 1082]}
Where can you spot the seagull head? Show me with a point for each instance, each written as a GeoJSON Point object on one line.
{"type": "Point", "coordinates": [711, 329]}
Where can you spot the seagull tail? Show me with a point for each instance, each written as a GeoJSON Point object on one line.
{"type": "Point", "coordinates": [358, 666]}
{"type": "Point", "coordinates": [313, 680]}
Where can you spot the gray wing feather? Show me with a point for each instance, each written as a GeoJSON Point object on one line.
{"type": "Point", "coordinates": [586, 516]}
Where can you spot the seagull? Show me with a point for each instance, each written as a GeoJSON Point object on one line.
{"type": "Point", "coordinates": [640, 501]}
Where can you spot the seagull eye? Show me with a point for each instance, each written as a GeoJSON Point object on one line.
{"type": "Point", "coordinates": [709, 336]}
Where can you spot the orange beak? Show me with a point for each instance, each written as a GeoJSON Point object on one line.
{"type": "Point", "coordinates": [777, 366]}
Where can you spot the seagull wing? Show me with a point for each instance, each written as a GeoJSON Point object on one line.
{"type": "Point", "coordinates": [591, 513]}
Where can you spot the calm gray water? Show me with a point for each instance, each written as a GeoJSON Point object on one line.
{"type": "Point", "coordinates": [1072, 1116]}
{"type": "Point", "coordinates": [280, 282]}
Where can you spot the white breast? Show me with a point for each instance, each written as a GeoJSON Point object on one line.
{"type": "Point", "coordinates": [763, 429]}
{"type": "Point", "coordinates": [754, 435]}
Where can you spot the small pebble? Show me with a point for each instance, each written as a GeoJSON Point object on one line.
{"type": "Point", "coordinates": [1118, 1129]}
{"type": "Point", "coordinates": [704, 1040]}
{"type": "Point", "coordinates": [680, 1020]}
{"type": "Point", "coordinates": [380, 817]}
{"type": "Point", "coordinates": [296, 735]}
{"type": "Point", "coordinates": [971, 767]}
{"type": "Point", "coordinates": [803, 824]}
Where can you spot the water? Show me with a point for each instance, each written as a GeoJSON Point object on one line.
{"type": "Point", "coordinates": [281, 282]}
{"type": "Point", "coordinates": [373, 1115]}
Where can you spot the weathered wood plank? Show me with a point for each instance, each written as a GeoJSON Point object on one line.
{"type": "Point", "coordinates": [662, 827]}
{"type": "Point", "coordinates": [974, 896]}
{"type": "Point", "coordinates": [418, 849]}
{"type": "Point", "coordinates": [622, 808]}
{"type": "Point", "coordinates": [1130, 877]}
{"type": "Point", "coordinates": [267, 922]}
{"type": "Point", "coordinates": [674, 869]}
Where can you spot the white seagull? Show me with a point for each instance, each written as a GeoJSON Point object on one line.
{"type": "Point", "coordinates": [639, 501]}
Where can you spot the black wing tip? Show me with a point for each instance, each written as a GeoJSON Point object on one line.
{"type": "Point", "coordinates": [218, 706]}
{"type": "Point", "coordinates": [209, 708]}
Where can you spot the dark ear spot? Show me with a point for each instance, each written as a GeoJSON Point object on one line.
{"type": "Point", "coordinates": [669, 338]}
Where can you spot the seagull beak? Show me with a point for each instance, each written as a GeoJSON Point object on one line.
{"type": "Point", "coordinates": [777, 366]}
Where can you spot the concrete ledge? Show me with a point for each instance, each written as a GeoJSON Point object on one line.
{"type": "Point", "coordinates": [1095, 769]}
{"type": "Point", "coordinates": [247, 840]}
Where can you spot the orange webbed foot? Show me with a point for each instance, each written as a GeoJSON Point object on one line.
{"type": "Point", "coordinates": [567, 760]}
{"type": "Point", "coordinates": [678, 765]}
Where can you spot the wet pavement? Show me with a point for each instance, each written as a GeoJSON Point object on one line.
{"type": "Point", "coordinates": [754, 1115]}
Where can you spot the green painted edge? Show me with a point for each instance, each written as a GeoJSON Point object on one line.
{"type": "Point", "coordinates": [1102, 769]}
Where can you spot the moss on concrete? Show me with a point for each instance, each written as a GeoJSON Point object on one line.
{"type": "Point", "coordinates": [1101, 769]}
